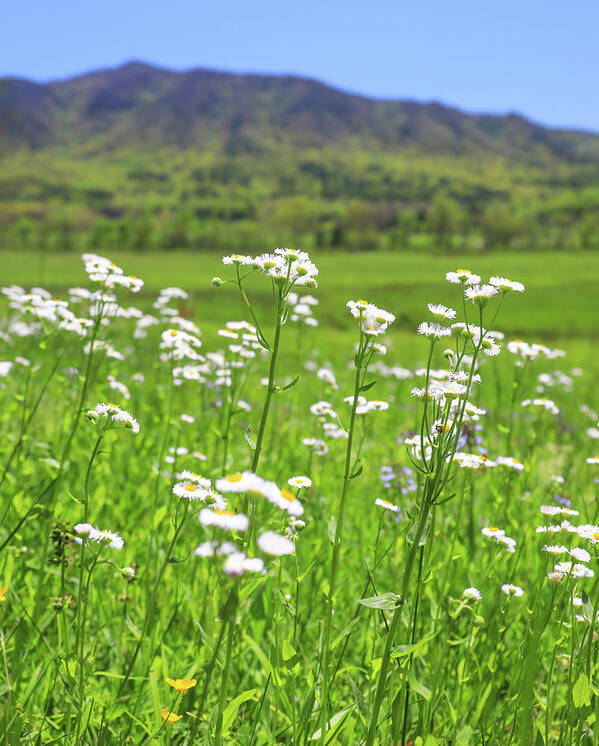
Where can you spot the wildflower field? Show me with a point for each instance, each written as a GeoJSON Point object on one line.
{"type": "Point", "coordinates": [283, 500]}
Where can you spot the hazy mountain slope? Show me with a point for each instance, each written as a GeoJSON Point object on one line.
{"type": "Point", "coordinates": [140, 106]}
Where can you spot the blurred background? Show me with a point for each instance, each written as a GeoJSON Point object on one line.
{"type": "Point", "coordinates": [389, 127]}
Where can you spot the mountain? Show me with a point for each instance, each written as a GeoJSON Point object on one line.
{"type": "Point", "coordinates": [141, 106]}
{"type": "Point", "coordinates": [142, 157]}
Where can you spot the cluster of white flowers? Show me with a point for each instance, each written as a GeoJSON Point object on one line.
{"type": "Point", "coordinates": [473, 461]}
{"type": "Point", "coordinates": [179, 345]}
{"type": "Point", "coordinates": [106, 273]}
{"type": "Point", "coordinates": [327, 375]}
{"type": "Point", "coordinates": [530, 352]}
{"type": "Point", "coordinates": [479, 292]}
{"type": "Point", "coordinates": [251, 484]}
{"type": "Point", "coordinates": [111, 416]}
{"type": "Point", "coordinates": [99, 536]}
{"type": "Point", "coordinates": [364, 406]}
{"type": "Point", "coordinates": [40, 304]}
{"type": "Point", "coordinates": [329, 421]}
{"type": "Point", "coordinates": [316, 445]}
{"type": "Point", "coordinates": [290, 266]}
{"type": "Point", "coordinates": [547, 404]}
{"type": "Point", "coordinates": [373, 321]}
{"type": "Point", "coordinates": [300, 309]}
{"type": "Point", "coordinates": [509, 462]}
{"type": "Point", "coordinates": [194, 486]}
{"type": "Point", "coordinates": [499, 536]}
{"type": "Point", "coordinates": [118, 386]}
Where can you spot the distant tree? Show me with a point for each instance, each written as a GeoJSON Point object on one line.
{"type": "Point", "coordinates": [588, 231]}
{"type": "Point", "coordinates": [500, 226]}
{"type": "Point", "coordinates": [23, 232]}
{"type": "Point", "coordinates": [142, 233]}
{"type": "Point", "coordinates": [444, 218]}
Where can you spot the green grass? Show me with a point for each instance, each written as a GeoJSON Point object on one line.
{"type": "Point", "coordinates": [560, 305]}
{"type": "Point", "coordinates": [89, 668]}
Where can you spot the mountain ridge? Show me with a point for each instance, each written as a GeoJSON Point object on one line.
{"type": "Point", "coordinates": [142, 105]}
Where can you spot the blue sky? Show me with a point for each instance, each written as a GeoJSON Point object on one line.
{"type": "Point", "coordinates": [540, 58]}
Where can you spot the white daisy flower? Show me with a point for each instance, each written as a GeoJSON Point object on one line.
{"type": "Point", "coordinates": [480, 293]}
{"type": "Point", "coordinates": [472, 593]}
{"type": "Point", "coordinates": [433, 330]}
{"type": "Point", "coordinates": [275, 544]}
{"type": "Point", "coordinates": [580, 554]}
{"type": "Point", "coordinates": [237, 564]}
{"type": "Point", "coordinates": [575, 570]}
{"type": "Point", "coordinates": [240, 259]}
{"type": "Point", "coordinates": [441, 312]}
{"type": "Point", "coordinates": [512, 590]}
{"type": "Point", "coordinates": [299, 482]}
{"type": "Point", "coordinates": [225, 519]}
{"type": "Point", "coordinates": [509, 462]}
{"type": "Point", "coordinates": [317, 446]}
{"type": "Point", "coordinates": [555, 549]}
{"type": "Point", "coordinates": [503, 284]}
{"type": "Point", "coordinates": [387, 505]}
{"type": "Point", "coordinates": [464, 276]}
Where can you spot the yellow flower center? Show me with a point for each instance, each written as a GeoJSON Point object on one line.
{"type": "Point", "coordinates": [596, 535]}
{"type": "Point", "coordinates": [493, 528]}
{"type": "Point", "coordinates": [189, 487]}
{"type": "Point", "coordinates": [224, 512]}
{"type": "Point", "coordinates": [234, 477]}
{"type": "Point", "coordinates": [286, 495]}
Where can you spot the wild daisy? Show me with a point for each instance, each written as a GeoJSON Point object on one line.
{"type": "Point", "coordinates": [462, 276]}
{"type": "Point", "coordinates": [275, 544]}
{"type": "Point", "coordinates": [512, 590]}
{"type": "Point", "coordinates": [386, 505]}
{"type": "Point", "coordinates": [299, 482]}
{"type": "Point", "coordinates": [503, 284]}
{"type": "Point", "coordinates": [225, 519]}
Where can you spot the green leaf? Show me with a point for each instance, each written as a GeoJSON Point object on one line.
{"type": "Point", "coordinates": [581, 692]}
{"type": "Point", "coordinates": [464, 737]}
{"type": "Point", "coordinates": [367, 386]}
{"type": "Point", "coordinates": [418, 687]}
{"type": "Point", "coordinates": [248, 437]}
{"type": "Point", "coordinates": [587, 608]}
{"type": "Point", "coordinates": [230, 712]}
{"type": "Point", "coordinates": [332, 529]}
{"type": "Point", "coordinates": [357, 472]}
{"type": "Point", "coordinates": [289, 385]}
{"type": "Point", "coordinates": [345, 632]}
{"type": "Point", "coordinates": [359, 700]}
{"type": "Point", "coordinates": [306, 571]}
{"type": "Point", "coordinates": [248, 589]}
{"type": "Point", "coordinates": [335, 720]}
{"type": "Point", "coordinates": [384, 601]}
{"type": "Point", "coordinates": [399, 651]}
{"type": "Point", "coordinates": [159, 516]}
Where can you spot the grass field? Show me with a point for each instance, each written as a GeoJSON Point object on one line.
{"type": "Point", "coordinates": [561, 302]}
{"type": "Point", "coordinates": [414, 589]}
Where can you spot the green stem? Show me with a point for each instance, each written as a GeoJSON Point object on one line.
{"type": "Point", "coordinates": [271, 384]}
{"type": "Point", "coordinates": [325, 648]}
{"type": "Point", "coordinates": [386, 660]}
